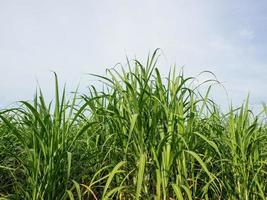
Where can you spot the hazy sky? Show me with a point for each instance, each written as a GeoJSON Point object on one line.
{"type": "Point", "coordinates": [77, 37]}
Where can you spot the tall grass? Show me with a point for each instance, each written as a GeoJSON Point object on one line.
{"type": "Point", "coordinates": [45, 138]}
{"type": "Point", "coordinates": [142, 137]}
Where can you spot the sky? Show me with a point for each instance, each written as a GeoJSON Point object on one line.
{"type": "Point", "coordinates": [74, 38]}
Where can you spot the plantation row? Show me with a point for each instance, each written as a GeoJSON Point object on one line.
{"type": "Point", "coordinates": [141, 137]}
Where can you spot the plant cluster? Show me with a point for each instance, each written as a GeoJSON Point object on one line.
{"type": "Point", "coordinates": [141, 137]}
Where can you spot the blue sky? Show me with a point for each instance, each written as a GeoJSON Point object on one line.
{"type": "Point", "coordinates": [85, 36]}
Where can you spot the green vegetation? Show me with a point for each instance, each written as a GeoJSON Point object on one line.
{"type": "Point", "coordinates": [141, 137]}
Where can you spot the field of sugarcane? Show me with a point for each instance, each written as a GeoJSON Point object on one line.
{"type": "Point", "coordinates": [142, 136]}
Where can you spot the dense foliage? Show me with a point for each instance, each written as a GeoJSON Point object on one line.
{"type": "Point", "coordinates": [141, 137]}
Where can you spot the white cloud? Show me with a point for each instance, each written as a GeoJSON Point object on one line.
{"type": "Point", "coordinates": [247, 34]}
